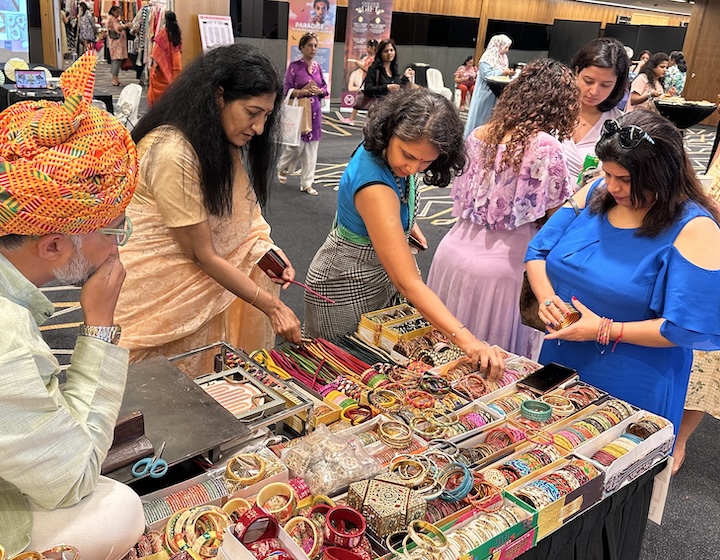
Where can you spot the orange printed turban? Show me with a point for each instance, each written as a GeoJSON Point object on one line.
{"type": "Point", "coordinates": [64, 167]}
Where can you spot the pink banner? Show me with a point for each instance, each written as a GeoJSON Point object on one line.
{"type": "Point", "coordinates": [366, 19]}
{"type": "Point", "coordinates": [316, 16]}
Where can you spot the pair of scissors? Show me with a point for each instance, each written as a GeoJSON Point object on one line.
{"type": "Point", "coordinates": [153, 466]}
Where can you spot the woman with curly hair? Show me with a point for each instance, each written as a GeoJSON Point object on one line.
{"type": "Point", "coordinates": [366, 260]}
{"type": "Point", "coordinates": [515, 178]}
{"type": "Point", "coordinates": [649, 83]}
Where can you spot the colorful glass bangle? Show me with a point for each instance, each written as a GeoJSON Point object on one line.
{"type": "Point", "coordinates": [337, 532]}
{"type": "Point", "coordinates": [356, 414]}
{"type": "Point", "coordinates": [538, 411]}
{"type": "Point", "coordinates": [236, 507]}
{"type": "Point", "coordinates": [253, 521]}
{"type": "Point", "coordinates": [310, 548]}
{"type": "Point", "coordinates": [414, 532]}
{"type": "Point", "coordinates": [337, 553]}
{"type": "Point", "coordinates": [277, 490]}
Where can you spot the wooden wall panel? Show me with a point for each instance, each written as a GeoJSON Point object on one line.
{"type": "Point", "coordinates": [187, 11]}
{"type": "Point", "coordinates": [532, 11]}
{"type": "Point", "coordinates": [47, 29]}
{"type": "Point", "coordinates": [700, 48]}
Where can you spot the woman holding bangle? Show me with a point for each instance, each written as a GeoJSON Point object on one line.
{"type": "Point", "coordinates": [206, 150]}
{"type": "Point", "coordinates": [305, 78]}
{"type": "Point", "coordinates": [641, 263]}
{"type": "Point", "coordinates": [649, 83]}
{"type": "Point", "coordinates": [366, 263]}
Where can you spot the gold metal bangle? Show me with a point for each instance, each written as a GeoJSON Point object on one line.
{"type": "Point", "coordinates": [238, 461]}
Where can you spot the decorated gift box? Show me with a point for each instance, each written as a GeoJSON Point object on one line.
{"type": "Point", "coordinates": [387, 504]}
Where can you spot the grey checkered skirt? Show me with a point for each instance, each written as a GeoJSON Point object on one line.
{"type": "Point", "coordinates": [351, 275]}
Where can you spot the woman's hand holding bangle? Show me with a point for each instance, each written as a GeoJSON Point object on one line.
{"type": "Point", "coordinates": [485, 358]}
{"type": "Point", "coordinates": [585, 329]}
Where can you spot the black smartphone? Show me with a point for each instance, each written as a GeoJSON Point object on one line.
{"type": "Point", "coordinates": [415, 243]}
{"type": "Point", "coordinates": [547, 377]}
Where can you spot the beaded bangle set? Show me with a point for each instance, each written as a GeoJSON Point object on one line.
{"type": "Point", "coordinates": [635, 434]}
{"type": "Point", "coordinates": [611, 414]}
{"type": "Point", "coordinates": [547, 489]}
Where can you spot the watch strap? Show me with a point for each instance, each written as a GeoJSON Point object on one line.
{"type": "Point", "coordinates": [111, 335]}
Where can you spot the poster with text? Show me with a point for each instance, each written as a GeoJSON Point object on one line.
{"type": "Point", "coordinates": [313, 16]}
{"type": "Point", "coordinates": [215, 31]}
{"type": "Point", "coordinates": [366, 19]}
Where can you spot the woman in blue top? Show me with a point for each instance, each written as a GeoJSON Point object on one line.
{"type": "Point", "coordinates": [365, 260]}
{"type": "Point", "coordinates": [645, 252]}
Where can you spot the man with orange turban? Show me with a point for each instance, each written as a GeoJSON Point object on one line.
{"type": "Point", "coordinates": [67, 172]}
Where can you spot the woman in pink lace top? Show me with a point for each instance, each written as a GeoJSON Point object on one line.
{"type": "Point", "coordinates": [516, 176]}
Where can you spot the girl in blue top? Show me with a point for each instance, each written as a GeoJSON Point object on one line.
{"type": "Point", "coordinates": [645, 252]}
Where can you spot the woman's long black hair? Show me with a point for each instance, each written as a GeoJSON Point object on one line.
{"type": "Point", "coordinates": [173, 29]}
{"type": "Point", "coordinates": [190, 104]}
{"type": "Point", "coordinates": [661, 171]}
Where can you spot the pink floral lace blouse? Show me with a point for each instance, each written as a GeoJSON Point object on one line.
{"type": "Point", "coordinates": [506, 199]}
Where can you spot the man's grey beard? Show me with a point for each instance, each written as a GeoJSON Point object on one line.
{"type": "Point", "coordinates": [78, 269]}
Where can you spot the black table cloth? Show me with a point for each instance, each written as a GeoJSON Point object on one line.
{"type": "Point", "coordinates": [611, 530]}
{"type": "Point", "coordinates": [684, 115]}
{"type": "Point", "coordinates": [497, 86]}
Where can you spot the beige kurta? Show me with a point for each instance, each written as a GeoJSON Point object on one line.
{"type": "Point", "coordinates": [168, 305]}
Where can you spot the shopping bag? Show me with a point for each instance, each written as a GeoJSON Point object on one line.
{"type": "Point", "coordinates": [292, 116]}
{"type": "Point", "coordinates": [305, 103]}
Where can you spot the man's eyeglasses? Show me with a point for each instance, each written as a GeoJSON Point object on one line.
{"type": "Point", "coordinates": [121, 234]}
{"type": "Point", "coordinates": [629, 136]}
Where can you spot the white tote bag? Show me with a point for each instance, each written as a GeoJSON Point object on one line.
{"type": "Point", "coordinates": [292, 116]}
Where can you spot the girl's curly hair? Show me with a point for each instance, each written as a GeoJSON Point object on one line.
{"type": "Point", "coordinates": [543, 98]}
{"type": "Point", "coordinates": [414, 115]}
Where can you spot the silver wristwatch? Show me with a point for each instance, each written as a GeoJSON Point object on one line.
{"type": "Point", "coordinates": [110, 335]}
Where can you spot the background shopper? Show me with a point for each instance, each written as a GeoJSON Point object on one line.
{"type": "Point", "coordinates": [493, 62]}
{"type": "Point", "coordinates": [305, 78]}
{"type": "Point", "coordinates": [601, 69]}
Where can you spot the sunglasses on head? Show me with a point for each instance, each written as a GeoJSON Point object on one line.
{"type": "Point", "coordinates": [629, 136]}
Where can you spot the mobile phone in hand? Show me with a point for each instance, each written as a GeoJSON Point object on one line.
{"type": "Point", "coordinates": [415, 243]}
{"type": "Point", "coordinates": [272, 261]}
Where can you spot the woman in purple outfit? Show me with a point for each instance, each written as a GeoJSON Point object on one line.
{"type": "Point", "coordinates": [305, 78]}
{"type": "Point", "coordinates": [515, 177]}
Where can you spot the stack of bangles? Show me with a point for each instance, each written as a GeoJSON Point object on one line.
{"type": "Point", "coordinates": [278, 499]}
{"type": "Point", "coordinates": [551, 487]}
{"type": "Point", "coordinates": [472, 385]}
{"type": "Point", "coordinates": [199, 529]}
{"type": "Point", "coordinates": [636, 433]}
{"type": "Point", "coordinates": [428, 539]}
{"type": "Point", "coordinates": [404, 377]}
{"type": "Point", "coordinates": [509, 403]}
{"type": "Point", "coordinates": [395, 434]}
{"type": "Point", "coordinates": [375, 376]}
{"type": "Point", "coordinates": [604, 335]}
{"type": "Point", "coordinates": [561, 406]}
{"type": "Point", "coordinates": [258, 531]}
{"type": "Point", "coordinates": [60, 552]}
{"type": "Point", "coordinates": [524, 464]}
{"type": "Point", "coordinates": [356, 414]}
{"type": "Point", "coordinates": [582, 395]}
{"type": "Point", "coordinates": [385, 400]}
{"type": "Point", "coordinates": [419, 399]}
{"type": "Point", "coordinates": [245, 469]}
{"type": "Point", "coordinates": [482, 529]}
{"type": "Point", "coordinates": [610, 414]}
{"type": "Point", "coordinates": [469, 421]}
{"type": "Point", "coordinates": [340, 399]}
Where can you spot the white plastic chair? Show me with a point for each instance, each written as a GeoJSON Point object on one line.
{"type": "Point", "coordinates": [435, 83]}
{"type": "Point", "coordinates": [127, 105]}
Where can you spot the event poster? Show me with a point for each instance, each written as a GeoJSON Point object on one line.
{"type": "Point", "coordinates": [215, 31]}
{"type": "Point", "coordinates": [366, 19]}
{"type": "Point", "coordinates": [313, 16]}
